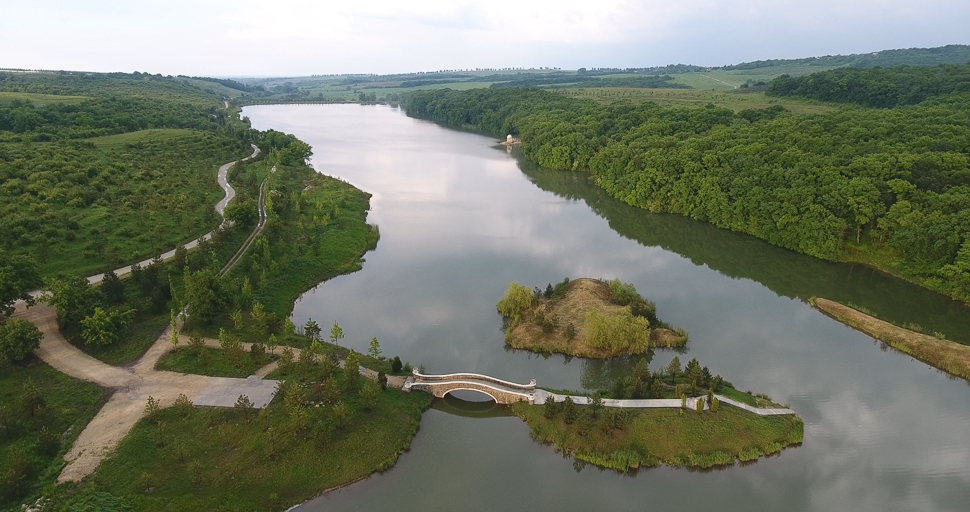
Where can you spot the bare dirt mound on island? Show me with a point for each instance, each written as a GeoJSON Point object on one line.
{"type": "Point", "coordinates": [582, 296]}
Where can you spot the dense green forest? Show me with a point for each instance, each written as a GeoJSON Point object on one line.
{"type": "Point", "coordinates": [888, 187]}
{"type": "Point", "coordinates": [876, 87]}
{"type": "Point", "coordinates": [644, 82]}
{"type": "Point", "coordinates": [123, 170]}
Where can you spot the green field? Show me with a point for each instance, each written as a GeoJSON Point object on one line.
{"type": "Point", "coordinates": [722, 79]}
{"type": "Point", "coordinates": [40, 100]}
{"type": "Point", "coordinates": [734, 100]}
{"type": "Point", "coordinates": [156, 135]}
{"type": "Point", "coordinates": [212, 362]}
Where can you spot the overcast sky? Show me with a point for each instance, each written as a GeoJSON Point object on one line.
{"type": "Point", "coordinates": [302, 37]}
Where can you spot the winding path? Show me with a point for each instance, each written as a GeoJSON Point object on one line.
{"type": "Point", "coordinates": [133, 385]}
{"type": "Point", "coordinates": [220, 208]}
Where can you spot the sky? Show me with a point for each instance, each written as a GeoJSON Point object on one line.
{"type": "Point", "coordinates": [303, 37]}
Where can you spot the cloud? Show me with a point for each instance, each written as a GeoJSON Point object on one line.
{"type": "Point", "coordinates": [294, 37]}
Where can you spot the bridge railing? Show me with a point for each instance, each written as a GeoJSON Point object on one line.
{"type": "Point", "coordinates": [473, 376]}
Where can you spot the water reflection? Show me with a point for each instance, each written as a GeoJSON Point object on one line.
{"type": "Point", "coordinates": [461, 219]}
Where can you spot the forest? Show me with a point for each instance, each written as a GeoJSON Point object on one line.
{"type": "Point", "coordinates": [123, 171]}
{"type": "Point", "coordinates": [887, 187]}
{"type": "Point", "coordinates": [876, 87]}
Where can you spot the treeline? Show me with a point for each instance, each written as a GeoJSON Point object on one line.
{"type": "Point", "coordinates": [641, 82]}
{"type": "Point", "coordinates": [876, 87]}
{"type": "Point", "coordinates": [897, 181]}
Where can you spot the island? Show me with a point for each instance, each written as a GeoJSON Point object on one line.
{"type": "Point", "coordinates": [586, 318]}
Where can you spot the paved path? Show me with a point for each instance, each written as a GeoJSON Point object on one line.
{"type": "Point", "coordinates": [261, 211]}
{"type": "Point", "coordinates": [542, 395]}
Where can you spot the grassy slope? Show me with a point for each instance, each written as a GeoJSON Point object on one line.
{"type": "Point", "coordinates": [216, 459]}
{"type": "Point", "coordinates": [949, 356]}
{"type": "Point", "coordinates": [665, 436]}
{"type": "Point", "coordinates": [70, 406]}
{"type": "Point", "coordinates": [40, 99]}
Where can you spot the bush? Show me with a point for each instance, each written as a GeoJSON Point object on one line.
{"type": "Point", "coordinates": [617, 333]}
{"type": "Point", "coordinates": [396, 365]}
{"type": "Point", "coordinates": [568, 410]}
{"type": "Point", "coordinates": [18, 339]}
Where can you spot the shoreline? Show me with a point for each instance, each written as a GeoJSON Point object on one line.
{"type": "Point", "coordinates": [947, 356]}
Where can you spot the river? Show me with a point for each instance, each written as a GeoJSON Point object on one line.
{"type": "Point", "coordinates": [461, 218]}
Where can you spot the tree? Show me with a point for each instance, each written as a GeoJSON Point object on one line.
{"type": "Point", "coordinates": [18, 339]}
{"type": "Point", "coordinates": [369, 394]}
{"type": "Point", "coordinates": [673, 369]}
{"type": "Point", "coordinates": [311, 329]}
{"type": "Point", "coordinates": [382, 380]}
{"type": "Point", "coordinates": [288, 328]}
{"type": "Point", "coordinates": [237, 319]}
{"type": "Point", "coordinates": [596, 404]}
{"type": "Point", "coordinates": [396, 364]}
{"type": "Point", "coordinates": [272, 343]}
{"type": "Point", "coordinates": [550, 409]}
{"type": "Point", "coordinates": [73, 298]}
{"type": "Point", "coordinates": [18, 276]}
{"type": "Point", "coordinates": [341, 415]}
{"type": "Point", "coordinates": [258, 316]}
{"type": "Point", "coordinates": [336, 333]}
{"type": "Point", "coordinates": [516, 302]}
{"type": "Point", "coordinates": [112, 288]}
{"type": "Point", "coordinates": [375, 348]}
{"type": "Point", "coordinates": [568, 410]}
{"type": "Point", "coordinates": [104, 328]}
{"type": "Point", "coordinates": [205, 294]}
{"type": "Point", "coordinates": [351, 371]}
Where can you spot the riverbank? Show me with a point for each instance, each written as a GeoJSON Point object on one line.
{"type": "Point", "coordinates": [945, 355]}
{"type": "Point", "coordinates": [630, 439]}
{"type": "Point", "coordinates": [585, 318]}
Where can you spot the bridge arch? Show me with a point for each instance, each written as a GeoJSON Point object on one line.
{"type": "Point", "coordinates": [503, 392]}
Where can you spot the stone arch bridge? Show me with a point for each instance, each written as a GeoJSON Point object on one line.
{"type": "Point", "coordinates": [503, 392]}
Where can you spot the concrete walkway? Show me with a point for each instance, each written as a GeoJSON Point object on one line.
{"type": "Point", "coordinates": [542, 395]}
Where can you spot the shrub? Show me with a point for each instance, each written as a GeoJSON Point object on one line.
{"type": "Point", "coordinates": [396, 365]}
{"type": "Point", "coordinates": [550, 409]}
{"type": "Point", "coordinates": [18, 339]}
{"type": "Point", "coordinates": [570, 332]}
{"type": "Point", "coordinates": [619, 332]}
{"type": "Point", "coordinates": [341, 415]}
{"type": "Point", "coordinates": [369, 393]}
{"type": "Point", "coordinates": [351, 371]}
{"type": "Point", "coordinates": [700, 405]}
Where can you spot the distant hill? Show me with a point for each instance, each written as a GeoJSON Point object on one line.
{"type": "Point", "coordinates": [950, 54]}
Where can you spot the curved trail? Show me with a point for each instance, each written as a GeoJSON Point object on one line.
{"type": "Point", "coordinates": [133, 385]}
{"type": "Point", "coordinates": [261, 210]}
{"type": "Point", "coordinates": [219, 207]}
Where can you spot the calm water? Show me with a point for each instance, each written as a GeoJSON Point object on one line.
{"type": "Point", "coordinates": [460, 218]}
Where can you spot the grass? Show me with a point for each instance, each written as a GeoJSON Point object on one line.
{"type": "Point", "coordinates": [734, 100]}
{"type": "Point", "coordinates": [212, 362]}
{"type": "Point", "coordinates": [948, 356]}
{"type": "Point", "coordinates": [44, 437]}
{"type": "Point", "coordinates": [650, 437]}
{"type": "Point", "coordinates": [144, 136]}
{"type": "Point", "coordinates": [40, 100]}
{"type": "Point", "coordinates": [729, 79]}
{"type": "Point", "coordinates": [228, 459]}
